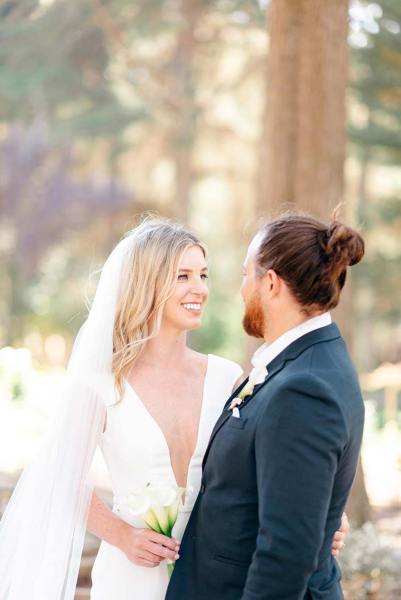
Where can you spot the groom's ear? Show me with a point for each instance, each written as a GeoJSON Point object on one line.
{"type": "Point", "coordinates": [271, 283]}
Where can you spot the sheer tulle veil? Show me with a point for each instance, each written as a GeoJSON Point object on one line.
{"type": "Point", "coordinates": [42, 530]}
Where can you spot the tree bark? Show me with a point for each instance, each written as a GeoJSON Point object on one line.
{"type": "Point", "coordinates": [358, 508]}
{"type": "Point", "coordinates": [186, 113]}
{"type": "Point", "coordinates": [304, 135]}
{"type": "Point", "coordinates": [303, 145]}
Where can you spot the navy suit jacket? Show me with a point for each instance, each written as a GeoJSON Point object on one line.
{"type": "Point", "coordinates": [275, 482]}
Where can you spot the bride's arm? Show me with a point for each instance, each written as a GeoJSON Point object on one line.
{"type": "Point", "coordinates": [141, 546]}
{"type": "Point", "coordinates": [103, 523]}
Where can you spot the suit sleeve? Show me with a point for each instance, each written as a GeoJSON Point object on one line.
{"type": "Point", "coordinates": [298, 444]}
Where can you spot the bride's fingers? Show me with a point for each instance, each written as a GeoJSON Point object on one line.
{"type": "Point", "coordinates": [149, 557]}
{"type": "Point", "coordinates": [338, 543]}
{"type": "Point", "coordinates": [345, 526]}
{"type": "Point", "coordinates": [163, 540]}
{"type": "Point", "coordinates": [146, 563]}
{"type": "Point", "coordinates": [162, 552]}
{"type": "Point", "coordinates": [339, 536]}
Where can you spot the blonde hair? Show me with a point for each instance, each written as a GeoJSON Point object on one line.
{"type": "Point", "coordinates": [148, 279]}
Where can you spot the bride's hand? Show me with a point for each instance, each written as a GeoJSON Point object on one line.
{"type": "Point", "coordinates": [147, 548]}
{"type": "Point", "coordinates": [339, 536]}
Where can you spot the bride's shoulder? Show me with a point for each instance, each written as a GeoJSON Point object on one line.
{"type": "Point", "coordinates": [219, 364]}
{"type": "Point", "coordinates": [227, 365]}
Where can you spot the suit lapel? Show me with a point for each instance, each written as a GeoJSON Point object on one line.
{"type": "Point", "coordinates": [226, 414]}
{"type": "Point", "coordinates": [290, 353]}
{"type": "Point", "coordinates": [272, 369]}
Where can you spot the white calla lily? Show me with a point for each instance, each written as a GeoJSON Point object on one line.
{"type": "Point", "coordinates": [151, 521]}
{"type": "Point", "coordinates": [157, 505]}
{"type": "Point", "coordinates": [161, 514]}
{"type": "Point", "coordinates": [162, 496]}
{"type": "Point", "coordinates": [136, 503]}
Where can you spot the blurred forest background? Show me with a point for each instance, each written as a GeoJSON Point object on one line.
{"type": "Point", "coordinates": [215, 114]}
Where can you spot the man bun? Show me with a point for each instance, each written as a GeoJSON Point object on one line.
{"type": "Point", "coordinates": [344, 247]}
{"type": "Point", "coordinates": [311, 256]}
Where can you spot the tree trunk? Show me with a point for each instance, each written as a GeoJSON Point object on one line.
{"type": "Point", "coordinates": [358, 508]}
{"type": "Point", "coordinates": [303, 150]}
{"type": "Point", "coordinates": [186, 111]}
{"type": "Point", "coordinates": [303, 145]}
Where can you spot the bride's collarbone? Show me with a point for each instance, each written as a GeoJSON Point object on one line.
{"type": "Point", "coordinates": [154, 391]}
{"type": "Point", "coordinates": [175, 380]}
{"type": "Point", "coordinates": [178, 386]}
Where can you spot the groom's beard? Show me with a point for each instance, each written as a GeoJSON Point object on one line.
{"type": "Point", "coordinates": [254, 319]}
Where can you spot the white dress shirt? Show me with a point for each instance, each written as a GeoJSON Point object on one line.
{"type": "Point", "coordinates": [267, 352]}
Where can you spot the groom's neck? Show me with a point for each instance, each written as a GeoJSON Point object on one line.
{"type": "Point", "coordinates": [284, 319]}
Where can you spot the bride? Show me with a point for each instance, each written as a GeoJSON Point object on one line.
{"type": "Point", "coordinates": [134, 388]}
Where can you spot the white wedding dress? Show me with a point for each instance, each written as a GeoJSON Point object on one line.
{"type": "Point", "coordinates": [136, 452]}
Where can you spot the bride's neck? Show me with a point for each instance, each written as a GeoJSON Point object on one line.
{"type": "Point", "coordinates": [168, 348]}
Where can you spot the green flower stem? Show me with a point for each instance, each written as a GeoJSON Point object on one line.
{"type": "Point", "coordinates": [170, 568]}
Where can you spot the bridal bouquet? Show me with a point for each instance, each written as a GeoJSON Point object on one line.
{"type": "Point", "coordinates": [158, 506]}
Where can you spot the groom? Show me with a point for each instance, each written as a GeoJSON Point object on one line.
{"type": "Point", "coordinates": [281, 459]}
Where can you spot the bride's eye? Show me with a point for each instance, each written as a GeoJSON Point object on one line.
{"type": "Point", "coordinates": [204, 276]}
{"type": "Point", "coordinates": [183, 276]}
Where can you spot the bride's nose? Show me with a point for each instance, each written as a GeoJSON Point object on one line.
{"type": "Point", "coordinates": [200, 290]}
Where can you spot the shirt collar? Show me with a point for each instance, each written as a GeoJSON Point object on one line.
{"type": "Point", "coordinates": [267, 352]}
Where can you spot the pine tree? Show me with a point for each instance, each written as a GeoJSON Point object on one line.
{"type": "Point", "coordinates": [374, 133]}
{"type": "Point", "coordinates": [304, 140]}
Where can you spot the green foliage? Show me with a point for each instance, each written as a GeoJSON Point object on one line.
{"type": "Point", "coordinates": [53, 64]}
{"type": "Point", "coordinates": [43, 203]}
{"type": "Point", "coordinates": [374, 133]}
{"type": "Point", "coordinates": [65, 60]}
{"type": "Point", "coordinates": [221, 332]}
{"type": "Point", "coordinates": [132, 78]}
{"type": "Point", "coordinates": [376, 81]}
{"type": "Point", "coordinates": [15, 373]}
{"type": "Point", "coordinates": [139, 83]}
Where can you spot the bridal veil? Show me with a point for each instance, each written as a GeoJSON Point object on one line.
{"type": "Point", "coordinates": [43, 527]}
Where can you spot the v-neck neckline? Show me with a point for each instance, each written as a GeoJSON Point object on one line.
{"type": "Point", "coordinates": [160, 430]}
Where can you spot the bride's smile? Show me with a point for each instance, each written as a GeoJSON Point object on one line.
{"type": "Point", "coordinates": [183, 310]}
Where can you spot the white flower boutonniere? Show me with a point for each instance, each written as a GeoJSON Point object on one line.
{"type": "Point", "coordinates": [256, 376]}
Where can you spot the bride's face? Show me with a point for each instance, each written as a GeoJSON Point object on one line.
{"type": "Point", "coordinates": [183, 310]}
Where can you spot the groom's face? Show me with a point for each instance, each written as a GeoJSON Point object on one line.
{"type": "Point", "coordinates": [254, 319]}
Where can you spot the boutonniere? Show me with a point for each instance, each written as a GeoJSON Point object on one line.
{"type": "Point", "coordinates": [256, 376]}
